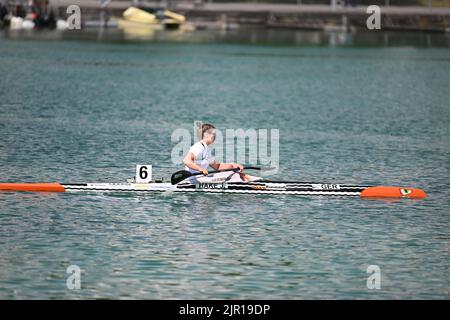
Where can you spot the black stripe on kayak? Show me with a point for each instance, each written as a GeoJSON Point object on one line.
{"type": "Point", "coordinates": [218, 191]}
{"type": "Point", "coordinates": [266, 188]}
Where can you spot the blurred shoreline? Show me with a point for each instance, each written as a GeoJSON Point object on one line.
{"type": "Point", "coordinates": [228, 16]}
{"type": "Point", "coordinates": [283, 16]}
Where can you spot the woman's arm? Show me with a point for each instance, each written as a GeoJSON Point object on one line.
{"type": "Point", "coordinates": [224, 166]}
{"type": "Point", "coordinates": [189, 161]}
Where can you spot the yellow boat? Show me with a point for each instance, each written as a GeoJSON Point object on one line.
{"type": "Point", "coordinates": [154, 19]}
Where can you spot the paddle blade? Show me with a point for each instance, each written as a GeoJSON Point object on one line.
{"type": "Point", "coordinates": [179, 176]}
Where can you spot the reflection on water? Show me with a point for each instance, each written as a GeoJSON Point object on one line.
{"type": "Point", "coordinates": [255, 36]}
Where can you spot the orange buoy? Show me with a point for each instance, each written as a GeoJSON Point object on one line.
{"type": "Point", "coordinates": [43, 187]}
{"type": "Point", "coordinates": [393, 192]}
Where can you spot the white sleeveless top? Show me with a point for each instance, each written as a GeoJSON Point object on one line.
{"type": "Point", "coordinates": [202, 155]}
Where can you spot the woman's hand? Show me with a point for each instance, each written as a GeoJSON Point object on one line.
{"type": "Point", "coordinates": [204, 171]}
{"type": "Point", "coordinates": [237, 165]}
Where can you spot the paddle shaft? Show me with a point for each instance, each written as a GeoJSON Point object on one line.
{"type": "Point", "coordinates": [183, 174]}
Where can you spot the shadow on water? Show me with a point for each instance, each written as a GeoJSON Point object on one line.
{"type": "Point", "coordinates": [249, 36]}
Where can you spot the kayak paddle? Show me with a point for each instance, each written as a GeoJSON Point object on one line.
{"type": "Point", "coordinates": [181, 175]}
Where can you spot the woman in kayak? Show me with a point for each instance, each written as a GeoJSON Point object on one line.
{"type": "Point", "coordinates": [199, 156]}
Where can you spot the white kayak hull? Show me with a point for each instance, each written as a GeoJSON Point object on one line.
{"type": "Point", "coordinates": [256, 187]}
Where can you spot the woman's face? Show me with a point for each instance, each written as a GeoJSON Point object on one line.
{"type": "Point", "coordinates": [209, 136]}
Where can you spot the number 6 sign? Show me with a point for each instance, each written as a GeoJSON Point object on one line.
{"type": "Point", "coordinates": [143, 173]}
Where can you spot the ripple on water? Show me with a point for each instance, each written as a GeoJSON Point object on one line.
{"type": "Point", "coordinates": [346, 115]}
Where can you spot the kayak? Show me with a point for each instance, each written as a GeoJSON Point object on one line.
{"type": "Point", "coordinates": [252, 187]}
{"type": "Point", "coordinates": [222, 182]}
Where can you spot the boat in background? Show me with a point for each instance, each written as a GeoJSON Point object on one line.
{"type": "Point", "coordinates": [152, 19]}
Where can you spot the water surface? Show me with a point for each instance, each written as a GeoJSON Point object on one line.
{"type": "Point", "coordinates": [74, 109]}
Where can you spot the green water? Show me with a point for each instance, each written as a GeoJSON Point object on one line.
{"type": "Point", "coordinates": [80, 110]}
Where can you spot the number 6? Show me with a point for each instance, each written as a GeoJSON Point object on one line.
{"type": "Point", "coordinates": [143, 173]}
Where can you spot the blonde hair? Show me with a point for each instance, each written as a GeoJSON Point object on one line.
{"type": "Point", "coordinates": [202, 128]}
